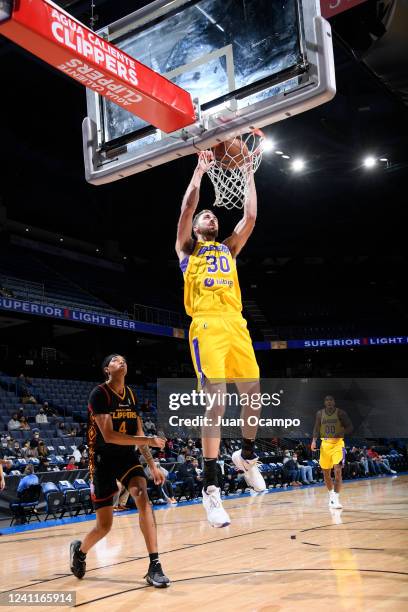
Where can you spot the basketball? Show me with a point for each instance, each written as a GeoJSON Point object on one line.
{"type": "Point", "coordinates": [231, 153]}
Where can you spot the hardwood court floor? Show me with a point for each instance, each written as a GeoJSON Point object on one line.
{"type": "Point", "coordinates": [284, 551]}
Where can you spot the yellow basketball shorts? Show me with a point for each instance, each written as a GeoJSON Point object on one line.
{"type": "Point", "coordinates": [331, 453]}
{"type": "Point", "coordinates": [221, 348]}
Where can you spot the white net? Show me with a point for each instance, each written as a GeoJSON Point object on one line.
{"type": "Point", "coordinates": [234, 161]}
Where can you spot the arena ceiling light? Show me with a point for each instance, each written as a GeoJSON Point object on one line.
{"type": "Point", "coordinates": [369, 161]}
{"type": "Point", "coordinates": [279, 152]}
{"type": "Point", "coordinates": [267, 145]}
{"type": "Point", "coordinates": [298, 165]}
{"type": "Point", "coordinates": [285, 156]}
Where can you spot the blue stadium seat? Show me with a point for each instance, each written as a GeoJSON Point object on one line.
{"type": "Point", "coordinates": [72, 501]}
{"type": "Point", "coordinates": [54, 499]}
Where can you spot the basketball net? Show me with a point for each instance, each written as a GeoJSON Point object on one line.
{"type": "Point", "coordinates": [230, 175]}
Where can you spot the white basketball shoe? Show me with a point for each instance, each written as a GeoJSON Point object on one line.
{"type": "Point", "coordinates": [334, 501]}
{"type": "Point", "coordinates": [251, 471]}
{"type": "Point", "coordinates": [216, 515]}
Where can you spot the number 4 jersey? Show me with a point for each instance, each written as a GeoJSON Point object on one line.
{"type": "Point", "coordinates": [124, 413]}
{"type": "Point", "coordinates": [211, 281]}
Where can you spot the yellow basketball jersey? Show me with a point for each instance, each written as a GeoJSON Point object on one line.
{"type": "Point", "coordinates": [211, 281]}
{"type": "Point", "coordinates": [331, 429]}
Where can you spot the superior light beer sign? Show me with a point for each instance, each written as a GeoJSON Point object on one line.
{"type": "Point", "coordinates": [60, 40]}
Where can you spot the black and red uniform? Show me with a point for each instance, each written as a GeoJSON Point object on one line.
{"type": "Point", "coordinates": [110, 462]}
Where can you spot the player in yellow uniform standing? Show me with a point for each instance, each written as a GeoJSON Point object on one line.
{"type": "Point", "coordinates": [220, 343]}
{"type": "Point", "coordinates": [331, 425]}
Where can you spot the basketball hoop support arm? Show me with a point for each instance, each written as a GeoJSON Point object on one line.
{"type": "Point", "coordinates": [51, 34]}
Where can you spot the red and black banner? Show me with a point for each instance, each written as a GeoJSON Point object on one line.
{"type": "Point", "coordinates": [53, 35]}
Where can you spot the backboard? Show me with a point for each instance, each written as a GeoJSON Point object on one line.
{"type": "Point", "coordinates": [246, 64]}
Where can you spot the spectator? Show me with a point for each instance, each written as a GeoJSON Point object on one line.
{"type": "Point", "coordinates": [304, 453]}
{"type": "Point", "coordinates": [8, 447]}
{"type": "Point", "coordinates": [27, 397]}
{"type": "Point", "coordinates": [24, 425]}
{"type": "Point", "coordinates": [83, 463]}
{"type": "Point", "coordinates": [32, 450]}
{"type": "Point", "coordinates": [234, 478]}
{"type": "Point", "coordinates": [48, 411]}
{"type": "Point", "coordinates": [291, 470]}
{"type": "Point", "coordinates": [352, 468]}
{"type": "Point", "coordinates": [306, 472]}
{"type": "Point", "coordinates": [41, 417]}
{"type": "Point", "coordinates": [187, 473]}
{"type": "Point", "coordinates": [197, 468]}
{"type": "Point", "coordinates": [83, 450]}
{"type": "Point", "coordinates": [44, 465]}
{"type": "Point", "coordinates": [372, 466]}
{"type": "Point", "coordinates": [61, 431]}
{"type": "Point", "coordinates": [194, 451]}
{"type": "Point", "coordinates": [357, 455]}
{"type": "Point", "coordinates": [71, 464]}
{"type": "Point", "coordinates": [17, 449]}
{"type": "Point", "coordinates": [3, 447]}
{"type": "Point", "coordinates": [181, 457]}
{"type": "Point", "coordinates": [149, 426]}
{"type": "Point", "coordinates": [35, 439]}
{"type": "Point", "coordinates": [13, 423]}
{"type": "Point", "coordinates": [77, 454]}
{"type": "Point", "coordinates": [25, 449]}
{"type": "Point", "coordinates": [28, 479]}
{"type": "Point", "coordinates": [170, 452]}
{"type": "Point", "coordinates": [380, 460]}
{"type": "Point", "coordinates": [42, 450]}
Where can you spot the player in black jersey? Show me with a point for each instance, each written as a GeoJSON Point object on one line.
{"type": "Point", "coordinates": [114, 428]}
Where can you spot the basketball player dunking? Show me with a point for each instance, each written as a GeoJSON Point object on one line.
{"type": "Point", "coordinates": [331, 425]}
{"type": "Point", "coordinates": [114, 428]}
{"type": "Point", "coordinates": [220, 343]}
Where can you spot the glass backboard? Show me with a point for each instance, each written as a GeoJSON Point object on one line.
{"type": "Point", "coordinates": [246, 63]}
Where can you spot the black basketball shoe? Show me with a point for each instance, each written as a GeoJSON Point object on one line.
{"type": "Point", "coordinates": [156, 577]}
{"type": "Point", "coordinates": [77, 559]}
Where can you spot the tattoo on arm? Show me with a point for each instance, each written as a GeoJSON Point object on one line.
{"type": "Point", "coordinates": [146, 452]}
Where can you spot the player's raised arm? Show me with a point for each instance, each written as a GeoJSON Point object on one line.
{"type": "Point", "coordinates": [245, 226]}
{"type": "Point", "coordinates": [184, 242]}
